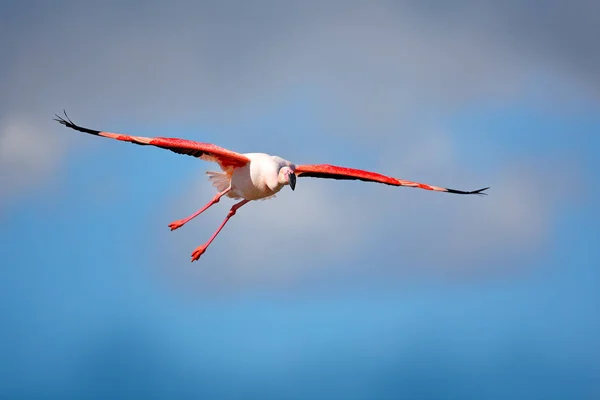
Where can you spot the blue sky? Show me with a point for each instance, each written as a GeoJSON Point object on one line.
{"type": "Point", "coordinates": [339, 289]}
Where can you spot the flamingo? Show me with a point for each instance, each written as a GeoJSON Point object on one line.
{"type": "Point", "coordinates": [250, 176]}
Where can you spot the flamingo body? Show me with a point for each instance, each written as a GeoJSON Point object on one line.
{"type": "Point", "coordinates": [259, 178]}
{"type": "Point", "coordinates": [251, 176]}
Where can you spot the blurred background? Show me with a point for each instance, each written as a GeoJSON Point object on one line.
{"type": "Point", "coordinates": [341, 289]}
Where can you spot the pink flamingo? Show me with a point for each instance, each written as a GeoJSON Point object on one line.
{"type": "Point", "coordinates": [250, 176]}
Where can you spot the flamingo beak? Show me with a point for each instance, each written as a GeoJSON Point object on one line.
{"type": "Point", "coordinates": [292, 178]}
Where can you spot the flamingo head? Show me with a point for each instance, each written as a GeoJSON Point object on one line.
{"type": "Point", "coordinates": [287, 176]}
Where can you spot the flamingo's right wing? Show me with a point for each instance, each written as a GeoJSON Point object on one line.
{"type": "Point", "coordinates": [334, 172]}
{"type": "Point", "coordinates": [206, 151]}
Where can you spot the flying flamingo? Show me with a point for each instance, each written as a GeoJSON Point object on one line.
{"type": "Point", "coordinates": [250, 176]}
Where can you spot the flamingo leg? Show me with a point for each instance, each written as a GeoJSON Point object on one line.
{"type": "Point", "coordinates": [180, 222]}
{"type": "Point", "coordinates": [201, 249]}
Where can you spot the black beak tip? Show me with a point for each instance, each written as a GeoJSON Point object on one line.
{"type": "Point", "coordinates": [293, 181]}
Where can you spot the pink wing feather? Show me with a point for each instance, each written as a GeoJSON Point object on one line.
{"type": "Point", "coordinates": [334, 172]}
{"type": "Point", "coordinates": [206, 151]}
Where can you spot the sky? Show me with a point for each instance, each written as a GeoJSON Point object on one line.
{"type": "Point", "coordinates": [340, 289]}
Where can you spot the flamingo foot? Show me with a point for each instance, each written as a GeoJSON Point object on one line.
{"type": "Point", "coordinates": [198, 252]}
{"type": "Point", "coordinates": [176, 224]}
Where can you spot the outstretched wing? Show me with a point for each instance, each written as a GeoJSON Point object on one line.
{"type": "Point", "coordinates": [206, 151]}
{"type": "Point", "coordinates": [335, 172]}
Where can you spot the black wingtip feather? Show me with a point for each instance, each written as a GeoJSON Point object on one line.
{"type": "Point", "coordinates": [478, 192]}
{"type": "Point", "coordinates": [66, 121]}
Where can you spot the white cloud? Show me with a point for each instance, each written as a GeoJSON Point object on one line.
{"type": "Point", "coordinates": [28, 154]}
{"type": "Point", "coordinates": [380, 73]}
{"type": "Point", "coordinates": [464, 233]}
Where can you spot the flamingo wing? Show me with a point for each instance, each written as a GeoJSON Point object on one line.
{"type": "Point", "coordinates": [334, 172]}
{"type": "Point", "coordinates": [206, 151]}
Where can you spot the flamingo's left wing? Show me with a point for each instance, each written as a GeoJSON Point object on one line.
{"type": "Point", "coordinates": [334, 172]}
{"type": "Point", "coordinates": [206, 151]}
